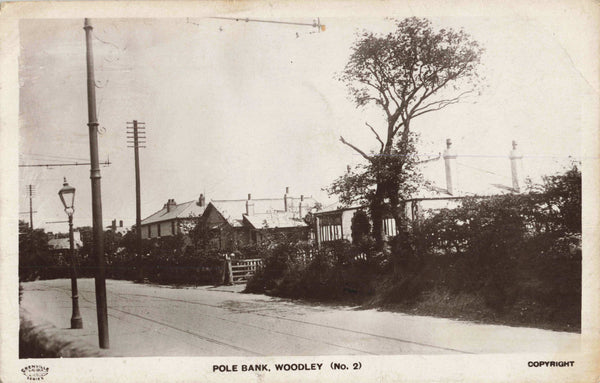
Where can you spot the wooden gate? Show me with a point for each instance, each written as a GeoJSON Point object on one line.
{"type": "Point", "coordinates": [240, 270]}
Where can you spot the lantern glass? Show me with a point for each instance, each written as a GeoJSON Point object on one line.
{"type": "Point", "coordinates": [67, 196]}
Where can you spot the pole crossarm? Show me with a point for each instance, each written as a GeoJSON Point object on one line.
{"type": "Point", "coordinates": [314, 24]}
{"type": "Point", "coordinates": [105, 163]}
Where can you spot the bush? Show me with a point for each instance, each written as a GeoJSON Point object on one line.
{"type": "Point", "coordinates": [512, 258]}
{"type": "Point", "coordinates": [298, 270]}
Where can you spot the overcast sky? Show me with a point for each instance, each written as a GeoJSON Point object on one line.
{"type": "Point", "coordinates": [233, 108]}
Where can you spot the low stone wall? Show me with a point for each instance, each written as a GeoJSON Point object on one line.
{"type": "Point", "coordinates": [41, 339]}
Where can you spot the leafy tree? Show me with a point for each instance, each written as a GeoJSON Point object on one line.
{"type": "Point", "coordinates": [560, 199]}
{"type": "Point", "coordinates": [361, 227]}
{"type": "Point", "coordinates": [407, 73]}
{"type": "Point", "coordinates": [34, 252]}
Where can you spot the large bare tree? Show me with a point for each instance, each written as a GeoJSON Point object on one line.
{"type": "Point", "coordinates": [407, 73]}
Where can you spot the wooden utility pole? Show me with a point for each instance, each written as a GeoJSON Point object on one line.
{"type": "Point", "coordinates": [136, 132]}
{"type": "Point", "coordinates": [31, 189]}
{"type": "Point", "coordinates": [98, 233]}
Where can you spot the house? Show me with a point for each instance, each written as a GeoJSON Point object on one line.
{"type": "Point", "coordinates": [173, 218]}
{"type": "Point", "coordinates": [233, 222]}
{"type": "Point", "coordinates": [242, 222]}
{"type": "Point", "coordinates": [62, 244]}
{"type": "Point", "coordinates": [457, 177]}
{"type": "Point", "coordinates": [117, 229]}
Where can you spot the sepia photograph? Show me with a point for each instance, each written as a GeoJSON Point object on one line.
{"type": "Point", "coordinates": [277, 192]}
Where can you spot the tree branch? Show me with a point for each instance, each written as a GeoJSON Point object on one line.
{"type": "Point", "coordinates": [355, 148]}
{"type": "Point", "coordinates": [440, 104]}
{"type": "Point", "coordinates": [376, 135]}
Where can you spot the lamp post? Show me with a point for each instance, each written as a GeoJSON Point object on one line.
{"type": "Point", "coordinates": [67, 196]}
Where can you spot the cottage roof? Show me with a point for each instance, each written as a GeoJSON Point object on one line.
{"type": "Point", "coordinates": [233, 210]}
{"type": "Point", "coordinates": [273, 220]}
{"type": "Point", "coordinates": [182, 210]}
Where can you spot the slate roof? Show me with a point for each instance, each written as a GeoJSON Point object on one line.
{"type": "Point", "coordinates": [233, 210]}
{"type": "Point", "coordinates": [182, 210]}
{"type": "Point", "coordinates": [274, 220]}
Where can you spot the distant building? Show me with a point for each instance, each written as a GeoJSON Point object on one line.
{"type": "Point", "coordinates": [458, 177]}
{"type": "Point", "coordinates": [241, 222]}
{"type": "Point", "coordinates": [173, 218]}
{"type": "Point", "coordinates": [117, 229]}
{"type": "Point", "coordinates": [233, 222]}
{"type": "Point", "coordinates": [62, 244]}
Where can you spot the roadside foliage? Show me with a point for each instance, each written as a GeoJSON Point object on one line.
{"type": "Point", "coordinates": [512, 259]}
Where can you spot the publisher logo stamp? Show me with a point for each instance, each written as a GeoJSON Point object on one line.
{"type": "Point", "coordinates": [35, 372]}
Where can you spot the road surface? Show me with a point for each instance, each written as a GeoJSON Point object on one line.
{"type": "Point", "coordinates": [150, 320]}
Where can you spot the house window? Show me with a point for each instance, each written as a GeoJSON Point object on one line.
{"type": "Point", "coordinates": [173, 227]}
{"type": "Point", "coordinates": [158, 228]}
{"type": "Point", "coordinates": [149, 231]}
{"type": "Point", "coordinates": [389, 227]}
{"type": "Point", "coordinates": [330, 228]}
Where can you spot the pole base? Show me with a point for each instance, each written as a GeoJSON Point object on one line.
{"type": "Point", "coordinates": [76, 323]}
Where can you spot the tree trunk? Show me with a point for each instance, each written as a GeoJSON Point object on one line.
{"type": "Point", "coordinates": [377, 216]}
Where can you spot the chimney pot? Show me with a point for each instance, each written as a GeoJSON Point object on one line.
{"type": "Point", "coordinates": [516, 167]}
{"type": "Point", "coordinates": [286, 204]}
{"type": "Point", "coordinates": [300, 206]}
{"type": "Point", "coordinates": [249, 205]}
{"type": "Point", "coordinates": [450, 166]}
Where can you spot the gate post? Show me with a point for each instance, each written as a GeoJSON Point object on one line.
{"type": "Point", "coordinates": [227, 272]}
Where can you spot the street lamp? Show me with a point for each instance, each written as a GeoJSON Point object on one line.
{"type": "Point", "coordinates": [67, 196]}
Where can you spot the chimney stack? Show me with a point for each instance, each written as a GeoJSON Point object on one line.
{"type": "Point", "coordinates": [121, 223]}
{"type": "Point", "coordinates": [170, 204]}
{"type": "Point", "coordinates": [516, 167]}
{"type": "Point", "coordinates": [113, 226]}
{"type": "Point", "coordinates": [249, 205]}
{"type": "Point", "coordinates": [450, 164]}
{"type": "Point", "coordinates": [201, 200]}
{"type": "Point", "coordinates": [300, 206]}
{"type": "Point", "coordinates": [286, 203]}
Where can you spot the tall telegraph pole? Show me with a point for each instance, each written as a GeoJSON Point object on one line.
{"type": "Point", "coordinates": [136, 133]}
{"type": "Point", "coordinates": [98, 240]}
{"type": "Point", "coordinates": [30, 189]}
